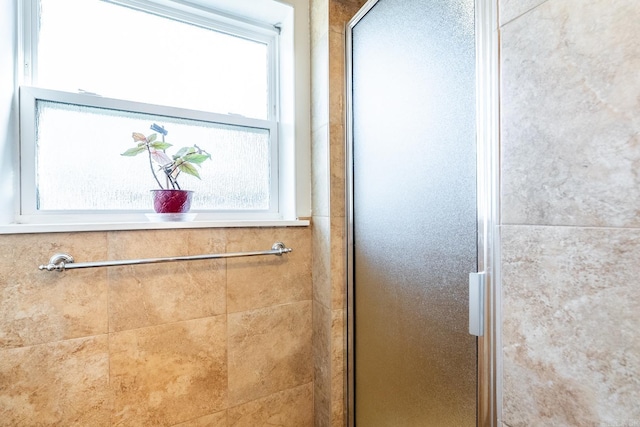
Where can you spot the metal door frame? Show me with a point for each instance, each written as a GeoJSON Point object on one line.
{"type": "Point", "coordinates": [489, 379]}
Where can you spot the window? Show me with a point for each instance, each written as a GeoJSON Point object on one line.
{"type": "Point", "coordinates": [154, 55]}
{"type": "Point", "coordinates": [95, 71]}
{"type": "Point", "coordinates": [79, 167]}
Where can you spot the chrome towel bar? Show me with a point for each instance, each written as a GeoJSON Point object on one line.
{"type": "Point", "coordinates": [62, 261]}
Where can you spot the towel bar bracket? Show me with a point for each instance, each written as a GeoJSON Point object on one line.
{"type": "Point", "coordinates": [57, 262]}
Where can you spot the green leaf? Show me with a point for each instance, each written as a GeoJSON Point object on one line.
{"type": "Point", "coordinates": [152, 137]}
{"type": "Point", "coordinates": [189, 169]}
{"type": "Point", "coordinates": [134, 151]}
{"type": "Point", "coordinates": [183, 151]}
{"type": "Point", "coordinates": [196, 158]}
{"type": "Point", "coordinates": [159, 145]}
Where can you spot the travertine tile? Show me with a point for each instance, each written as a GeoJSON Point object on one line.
{"type": "Point", "coordinates": [152, 294]}
{"type": "Point", "coordinates": [320, 83]}
{"type": "Point", "coordinates": [219, 419]}
{"type": "Point", "coordinates": [321, 409]}
{"type": "Point", "coordinates": [337, 102]}
{"type": "Point", "coordinates": [511, 9]}
{"type": "Point", "coordinates": [44, 306]}
{"type": "Point", "coordinates": [269, 351]}
{"type": "Point", "coordinates": [167, 374]}
{"type": "Point", "coordinates": [322, 360]}
{"type": "Point", "coordinates": [338, 414]}
{"type": "Point", "coordinates": [570, 325]}
{"type": "Point", "coordinates": [570, 115]}
{"type": "Point", "coordinates": [65, 383]}
{"type": "Point", "coordinates": [288, 408]}
{"type": "Point", "coordinates": [341, 11]}
{"type": "Point", "coordinates": [319, 11]}
{"type": "Point", "coordinates": [255, 282]}
{"type": "Point", "coordinates": [337, 171]}
{"type": "Point", "coordinates": [322, 259]}
{"type": "Point", "coordinates": [329, 363]}
{"type": "Point", "coordinates": [338, 263]}
{"type": "Point", "coordinates": [338, 366]}
{"type": "Point", "coordinates": [320, 171]}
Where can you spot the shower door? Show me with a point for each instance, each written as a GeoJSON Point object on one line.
{"type": "Point", "coordinates": [412, 213]}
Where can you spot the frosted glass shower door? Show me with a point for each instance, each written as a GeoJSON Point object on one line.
{"type": "Point", "coordinates": [413, 220]}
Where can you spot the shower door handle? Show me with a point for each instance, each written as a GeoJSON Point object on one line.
{"type": "Point", "coordinates": [476, 303]}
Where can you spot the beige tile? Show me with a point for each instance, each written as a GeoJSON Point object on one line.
{"type": "Point", "coordinates": [319, 12]}
{"type": "Point", "coordinates": [320, 83]}
{"type": "Point", "coordinates": [338, 263]}
{"type": "Point", "coordinates": [164, 375]}
{"type": "Point", "coordinates": [152, 294]}
{"type": "Point", "coordinates": [321, 409]}
{"type": "Point", "coordinates": [44, 306]}
{"type": "Point", "coordinates": [329, 365]}
{"type": "Point", "coordinates": [219, 419]}
{"type": "Point", "coordinates": [509, 10]}
{"type": "Point", "coordinates": [570, 325]}
{"type": "Point", "coordinates": [337, 171]}
{"type": "Point", "coordinates": [322, 359]}
{"type": "Point", "coordinates": [269, 351]}
{"type": "Point", "coordinates": [65, 383]}
{"type": "Point", "coordinates": [338, 414]}
{"type": "Point", "coordinates": [570, 115]}
{"type": "Point", "coordinates": [320, 171]}
{"type": "Point", "coordinates": [338, 366]}
{"type": "Point", "coordinates": [322, 259]}
{"type": "Point", "coordinates": [341, 11]}
{"type": "Point", "coordinates": [288, 408]}
{"type": "Point", "coordinates": [255, 282]}
{"type": "Point", "coordinates": [337, 102]}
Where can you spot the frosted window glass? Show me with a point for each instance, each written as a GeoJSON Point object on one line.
{"type": "Point", "coordinates": [119, 52]}
{"type": "Point", "coordinates": [79, 166]}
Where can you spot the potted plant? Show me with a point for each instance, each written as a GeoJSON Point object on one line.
{"type": "Point", "coordinates": [169, 198]}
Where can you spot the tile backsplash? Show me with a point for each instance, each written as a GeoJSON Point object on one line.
{"type": "Point", "coordinates": [223, 342]}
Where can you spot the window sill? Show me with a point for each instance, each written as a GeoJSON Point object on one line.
{"type": "Point", "coordinates": [148, 225]}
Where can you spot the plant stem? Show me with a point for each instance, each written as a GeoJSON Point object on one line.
{"type": "Point", "coordinates": [168, 172]}
{"type": "Point", "coordinates": [153, 171]}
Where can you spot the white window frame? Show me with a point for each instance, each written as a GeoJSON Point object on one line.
{"type": "Point", "coordinates": [29, 96]}
{"type": "Point", "coordinates": [292, 128]}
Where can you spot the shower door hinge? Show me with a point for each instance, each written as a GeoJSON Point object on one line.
{"type": "Point", "coordinates": [476, 303]}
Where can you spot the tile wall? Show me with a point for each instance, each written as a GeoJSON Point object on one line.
{"type": "Point", "coordinates": [570, 125]}
{"type": "Point", "coordinates": [328, 22]}
{"type": "Point", "coordinates": [201, 343]}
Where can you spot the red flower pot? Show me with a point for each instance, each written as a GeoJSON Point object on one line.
{"type": "Point", "coordinates": [171, 201]}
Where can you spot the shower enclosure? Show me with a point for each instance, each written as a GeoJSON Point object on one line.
{"type": "Point", "coordinates": [415, 229]}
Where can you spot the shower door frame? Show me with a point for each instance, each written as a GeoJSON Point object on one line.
{"type": "Point", "coordinates": [489, 380]}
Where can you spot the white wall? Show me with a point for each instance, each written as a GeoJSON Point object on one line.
{"type": "Point", "coordinates": [8, 132]}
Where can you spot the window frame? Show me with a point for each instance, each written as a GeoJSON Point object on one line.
{"type": "Point", "coordinates": [288, 153]}
{"type": "Point", "coordinates": [29, 213]}
{"type": "Point", "coordinates": [200, 17]}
